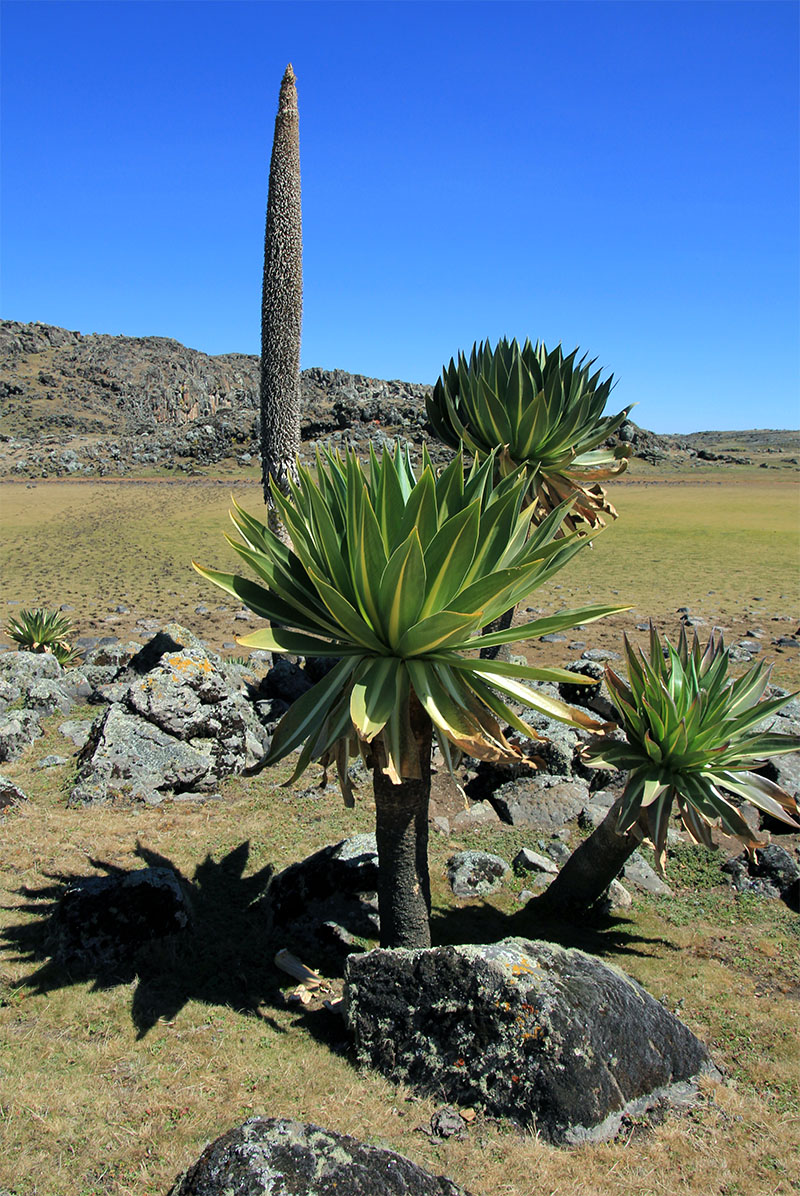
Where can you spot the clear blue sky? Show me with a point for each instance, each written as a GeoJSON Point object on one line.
{"type": "Point", "coordinates": [621, 176]}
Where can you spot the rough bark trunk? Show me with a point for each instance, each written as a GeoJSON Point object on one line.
{"type": "Point", "coordinates": [282, 303]}
{"type": "Point", "coordinates": [589, 870]}
{"type": "Point", "coordinates": [401, 829]}
{"type": "Point", "coordinates": [501, 623]}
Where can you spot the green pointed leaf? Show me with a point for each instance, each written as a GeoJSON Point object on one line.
{"type": "Point", "coordinates": [305, 715]}
{"type": "Point", "coordinates": [373, 695]}
{"type": "Point", "coordinates": [448, 557]}
{"type": "Point", "coordinates": [402, 589]}
{"type": "Point", "coordinates": [445, 629]}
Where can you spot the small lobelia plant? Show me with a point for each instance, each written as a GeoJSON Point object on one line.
{"type": "Point", "coordinates": [43, 630]}
{"type": "Point", "coordinates": [692, 741]}
{"type": "Point", "coordinates": [538, 409]}
{"type": "Point", "coordinates": [394, 575]}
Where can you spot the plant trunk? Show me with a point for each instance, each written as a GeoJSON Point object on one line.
{"type": "Point", "coordinates": [501, 623]}
{"type": "Point", "coordinates": [590, 869]}
{"type": "Point", "coordinates": [401, 828]}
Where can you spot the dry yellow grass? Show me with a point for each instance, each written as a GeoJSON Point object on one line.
{"type": "Point", "coordinates": [91, 1104]}
{"type": "Point", "coordinates": [93, 1101]}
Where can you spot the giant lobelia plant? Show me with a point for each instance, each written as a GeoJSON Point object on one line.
{"type": "Point", "coordinates": [538, 409]}
{"type": "Point", "coordinates": [693, 737]}
{"type": "Point", "coordinates": [541, 411]}
{"type": "Point", "coordinates": [394, 575]}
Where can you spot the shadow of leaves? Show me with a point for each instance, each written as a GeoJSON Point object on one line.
{"type": "Point", "coordinates": [219, 952]}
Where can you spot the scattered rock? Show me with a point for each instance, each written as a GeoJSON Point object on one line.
{"type": "Point", "coordinates": [10, 794]}
{"type": "Point", "coordinates": [531, 861]}
{"type": "Point", "coordinates": [102, 921]}
{"type": "Point", "coordinates": [638, 872]}
{"type": "Point", "coordinates": [774, 873]}
{"type": "Point", "coordinates": [617, 897]}
{"type": "Point", "coordinates": [551, 1038]}
{"type": "Point", "coordinates": [476, 873]}
{"type": "Point", "coordinates": [447, 1123]}
{"type": "Point", "coordinates": [540, 801]}
{"type": "Point", "coordinates": [52, 761]}
{"type": "Point", "coordinates": [595, 697]}
{"type": "Point", "coordinates": [479, 814]}
{"type": "Point", "coordinates": [77, 730]}
{"type": "Point", "coordinates": [279, 1157]}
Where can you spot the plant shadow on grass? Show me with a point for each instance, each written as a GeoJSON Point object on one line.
{"type": "Point", "coordinates": [595, 932]}
{"type": "Point", "coordinates": [223, 958]}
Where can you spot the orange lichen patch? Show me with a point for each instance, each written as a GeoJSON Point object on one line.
{"type": "Point", "coordinates": [183, 664]}
{"type": "Point", "coordinates": [525, 967]}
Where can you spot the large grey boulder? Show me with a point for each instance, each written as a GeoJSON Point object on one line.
{"type": "Point", "coordinates": [544, 802]}
{"type": "Point", "coordinates": [18, 729]}
{"type": "Point", "coordinates": [24, 669]}
{"type": "Point", "coordinates": [279, 1157]}
{"type": "Point", "coordinates": [552, 1038]}
{"type": "Point", "coordinates": [178, 721]}
{"type": "Point", "coordinates": [187, 696]}
{"type": "Point", "coordinates": [126, 756]}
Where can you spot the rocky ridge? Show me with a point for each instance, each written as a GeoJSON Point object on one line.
{"type": "Point", "coordinates": [97, 405]}
{"type": "Point", "coordinates": [84, 405]}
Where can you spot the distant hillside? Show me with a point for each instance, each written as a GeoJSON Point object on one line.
{"type": "Point", "coordinates": [94, 404]}
{"type": "Point", "coordinates": [52, 378]}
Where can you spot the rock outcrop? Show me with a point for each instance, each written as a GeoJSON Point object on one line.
{"type": "Point", "coordinates": [74, 404]}
{"type": "Point", "coordinates": [279, 1157]}
{"type": "Point", "coordinates": [551, 1038]}
{"type": "Point", "coordinates": [178, 722]}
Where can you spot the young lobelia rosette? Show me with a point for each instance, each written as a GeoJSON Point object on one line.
{"type": "Point", "coordinates": [539, 409]}
{"type": "Point", "coordinates": [44, 631]}
{"type": "Point", "coordinates": [693, 739]}
{"type": "Point", "coordinates": [393, 576]}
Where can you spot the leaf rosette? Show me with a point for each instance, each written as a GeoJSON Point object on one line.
{"type": "Point", "coordinates": [394, 576]}
{"type": "Point", "coordinates": [694, 737]}
{"type": "Point", "coordinates": [538, 409]}
{"type": "Point", "coordinates": [43, 630]}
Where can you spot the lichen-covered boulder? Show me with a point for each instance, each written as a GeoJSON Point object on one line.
{"type": "Point", "coordinates": [331, 895]}
{"type": "Point", "coordinates": [178, 722]}
{"type": "Point", "coordinates": [544, 802]}
{"type": "Point", "coordinates": [279, 1157]}
{"type": "Point", "coordinates": [476, 873]}
{"type": "Point", "coordinates": [18, 730]}
{"type": "Point", "coordinates": [126, 756]}
{"type": "Point", "coordinates": [551, 1038]}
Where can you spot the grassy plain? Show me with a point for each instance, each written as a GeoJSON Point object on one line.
{"type": "Point", "coordinates": [724, 542]}
{"type": "Point", "coordinates": [112, 1086]}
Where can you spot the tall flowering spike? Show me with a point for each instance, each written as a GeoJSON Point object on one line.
{"type": "Point", "coordinates": [282, 298]}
